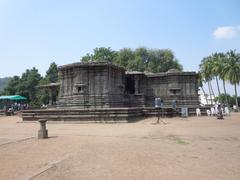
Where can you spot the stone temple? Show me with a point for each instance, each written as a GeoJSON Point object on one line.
{"type": "Point", "coordinates": [104, 91]}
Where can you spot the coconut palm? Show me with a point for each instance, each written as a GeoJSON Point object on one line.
{"type": "Point", "coordinates": [220, 69]}
{"type": "Point", "coordinates": [206, 72]}
{"type": "Point", "coordinates": [231, 70]}
{"type": "Point", "coordinates": [216, 64]}
{"type": "Point", "coordinates": [219, 61]}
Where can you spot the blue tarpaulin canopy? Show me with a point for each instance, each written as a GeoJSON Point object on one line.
{"type": "Point", "coordinates": [13, 98]}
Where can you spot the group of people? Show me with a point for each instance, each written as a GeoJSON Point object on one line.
{"type": "Point", "coordinates": [218, 110]}
{"type": "Point", "coordinates": [16, 107]}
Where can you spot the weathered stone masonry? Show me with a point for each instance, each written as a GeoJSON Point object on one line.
{"type": "Point", "coordinates": [91, 85]}
{"type": "Point", "coordinates": [101, 91]}
{"type": "Point", "coordinates": [88, 85]}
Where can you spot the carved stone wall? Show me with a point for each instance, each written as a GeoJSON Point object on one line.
{"type": "Point", "coordinates": [174, 86]}
{"type": "Point", "coordinates": [101, 84]}
{"type": "Point", "coordinates": [91, 85]}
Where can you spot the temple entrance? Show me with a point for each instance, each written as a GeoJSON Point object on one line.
{"type": "Point", "coordinates": [130, 85]}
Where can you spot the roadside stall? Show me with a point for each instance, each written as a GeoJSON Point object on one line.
{"type": "Point", "coordinates": [12, 103]}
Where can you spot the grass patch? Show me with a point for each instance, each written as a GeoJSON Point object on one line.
{"type": "Point", "coordinates": [180, 141]}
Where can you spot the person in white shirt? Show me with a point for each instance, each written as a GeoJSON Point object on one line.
{"type": "Point", "coordinates": [212, 111]}
{"type": "Point", "coordinates": [226, 111]}
{"type": "Point", "coordinates": [198, 112]}
{"type": "Point", "coordinates": [208, 112]}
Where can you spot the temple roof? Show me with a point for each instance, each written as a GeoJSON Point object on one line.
{"type": "Point", "coordinates": [110, 64]}
{"type": "Point", "coordinates": [90, 64]}
{"type": "Point", "coordinates": [172, 73]}
{"type": "Point", "coordinates": [134, 72]}
{"type": "Point", "coordinates": [50, 85]}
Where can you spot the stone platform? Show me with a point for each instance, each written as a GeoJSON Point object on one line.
{"type": "Point", "coordinates": [84, 115]}
{"type": "Point", "coordinates": [99, 115]}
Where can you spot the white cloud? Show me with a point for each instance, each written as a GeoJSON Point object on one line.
{"type": "Point", "coordinates": [226, 32]}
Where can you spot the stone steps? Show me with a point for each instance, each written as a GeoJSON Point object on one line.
{"type": "Point", "coordinates": [100, 114]}
{"type": "Point", "coordinates": [114, 114]}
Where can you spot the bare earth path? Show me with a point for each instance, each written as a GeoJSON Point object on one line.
{"type": "Point", "coordinates": [192, 148]}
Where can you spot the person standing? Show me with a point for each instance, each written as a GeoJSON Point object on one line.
{"type": "Point", "coordinates": [220, 112]}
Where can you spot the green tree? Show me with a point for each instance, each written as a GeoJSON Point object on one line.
{"type": "Point", "coordinates": [219, 69]}
{"type": "Point", "coordinates": [42, 94]}
{"type": "Point", "coordinates": [13, 86]}
{"type": "Point", "coordinates": [137, 64]}
{"type": "Point", "coordinates": [4, 82]}
{"type": "Point", "coordinates": [52, 73]}
{"type": "Point", "coordinates": [143, 54]}
{"type": "Point", "coordinates": [231, 70]}
{"type": "Point", "coordinates": [216, 60]}
{"type": "Point", "coordinates": [140, 59]}
{"type": "Point", "coordinates": [87, 58]}
{"type": "Point", "coordinates": [222, 66]}
{"type": "Point", "coordinates": [101, 54]}
{"type": "Point", "coordinates": [25, 86]}
{"type": "Point", "coordinates": [231, 99]}
{"type": "Point", "coordinates": [50, 77]}
{"type": "Point", "coordinates": [161, 60]}
{"type": "Point", "coordinates": [124, 57]}
{"type": "Point", "coordinates": [30, 79]}
{"type": "Point", "coordinates": [207, 74]}
{"type": "Point", "coordinates": [200, 84]}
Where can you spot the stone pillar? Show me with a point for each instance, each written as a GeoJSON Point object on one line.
{"type": "Point", "coordinates": [43, 132]}
{"type": "Point", "coordinates": [61, 75]}
{"type": "Point", "coordinates": [50, 91]}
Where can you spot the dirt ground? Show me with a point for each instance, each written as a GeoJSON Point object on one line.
{"type": "Point", "coordinates": [194, 148]}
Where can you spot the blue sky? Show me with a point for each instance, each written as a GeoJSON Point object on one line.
{"type": "Point", "coordinates": [36, 33]}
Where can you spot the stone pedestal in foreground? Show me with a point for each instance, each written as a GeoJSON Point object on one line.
{"type": "Point", "coordinates": [43, 132]}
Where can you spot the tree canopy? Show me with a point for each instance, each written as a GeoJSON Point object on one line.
{"type": "Point", "coordinates": [100, 54]}
{"type": "Point", "coordinates": [52, 73]}
{"type": "Point", "coordinates": [26, 84]}
{"type": "Point", "coordinates": [224, 66]}
{"type": "Point", "coordinates": [141, 59]}
{"type": "Point", "coordinates": [4, 82]}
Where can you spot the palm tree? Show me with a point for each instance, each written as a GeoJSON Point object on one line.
{"type": "Point", "coordinates": [231, 70]}
{"type": "Point", "coordinates": [206, 72]}
{"type": "Point", "coordinates": [216, 63]}
{"type": "Point", "coordinates": [221, 63]}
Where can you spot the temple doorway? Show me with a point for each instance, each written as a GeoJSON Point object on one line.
{"type": "Point", "coordinates": [130, 85]}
